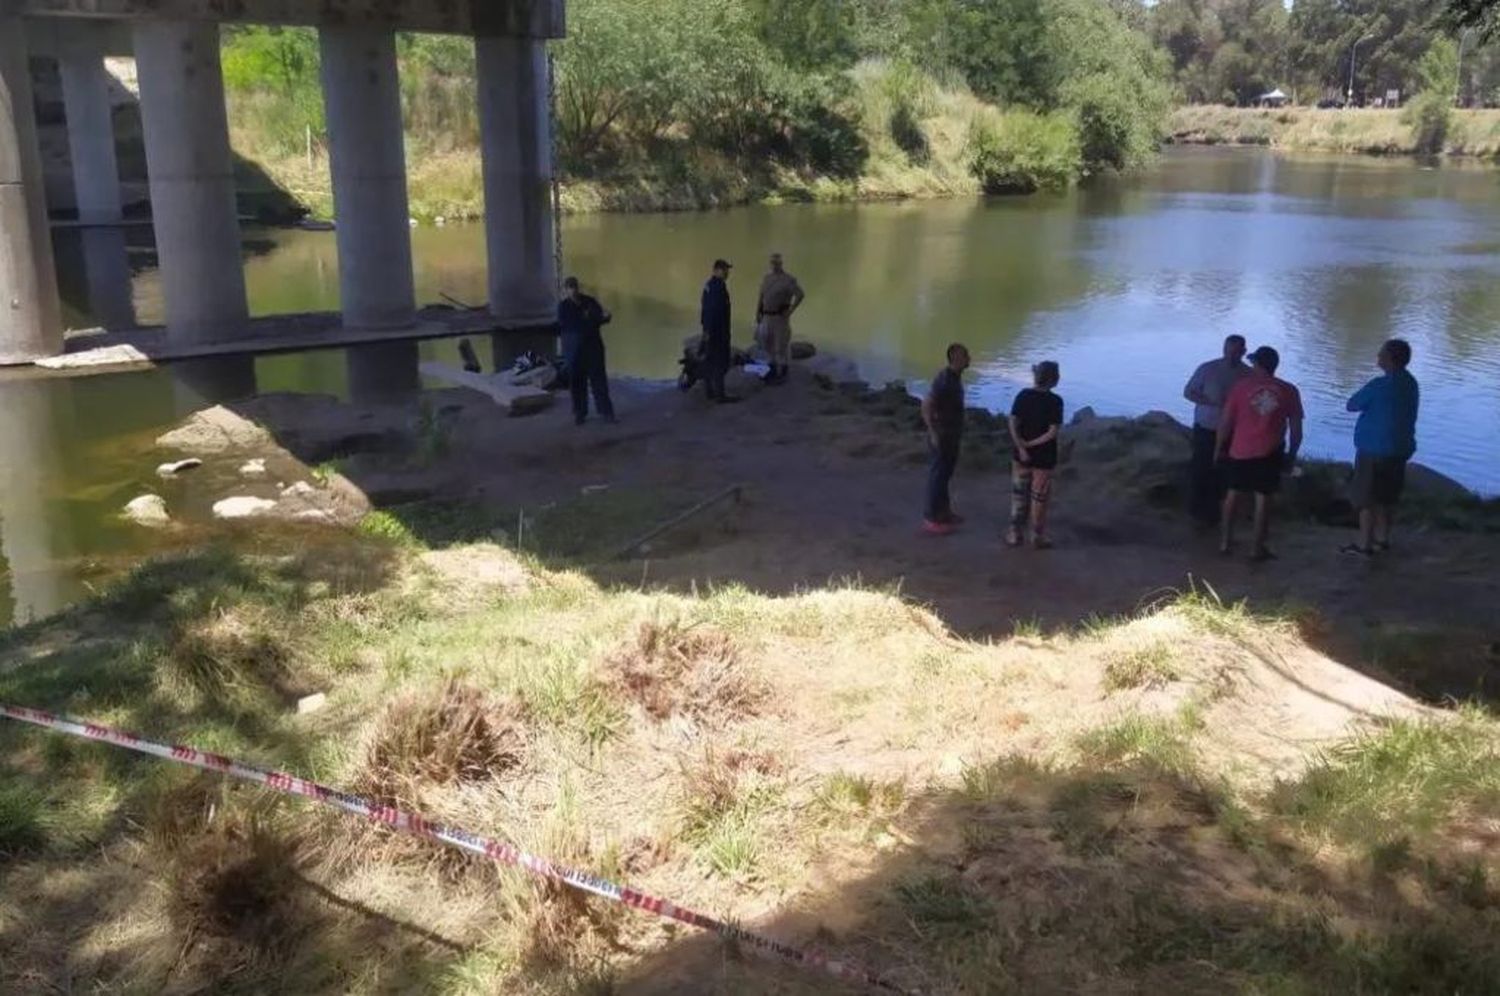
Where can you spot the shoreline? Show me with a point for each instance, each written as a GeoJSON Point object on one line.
{"type": "Point", "coordinates": [1475, 134]}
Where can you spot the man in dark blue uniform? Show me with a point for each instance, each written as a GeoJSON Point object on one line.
{"type": "Point", "coordinates": [581, 317]}
{"type": "Point", "coordinates": [716, 321]}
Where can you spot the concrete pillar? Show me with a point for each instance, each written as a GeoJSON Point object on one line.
{"type": "Point", "coordinates": [192, 179]}
{"type": "Point", "coordinates": [30, 322]}
{"type": "Point", "coordinates": [91, 131]}
{"type": "Point", "coordinates": [362, 98]}
{"type": "Point", "coordinates": [96, 175]}
{"type": "Point", "coordinates": [515, 128]}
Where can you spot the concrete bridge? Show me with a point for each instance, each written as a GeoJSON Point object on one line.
{"type": "Point", "coordinates": [176, 47]}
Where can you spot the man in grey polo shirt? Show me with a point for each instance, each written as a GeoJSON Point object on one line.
{"type": "Point", "coordinates": [1207, 389]}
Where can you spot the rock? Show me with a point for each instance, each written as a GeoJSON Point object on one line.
{"type": "Point", "coordinates": [1083, 416]}
{"type": "Point", "coordinates": [311, 703]}
{"type": "Point", "coordinates": [831, 371]}
{"type": "Point", "coordinates": [253, 468]}
{"type": "Point", "coordinates": [319, 427]}
{"type": "Point", "coordinates": [148, 510]}
{"type": "Point", "coordinates": [298, 490]}
{"type": "Point", "coordinates": [313, 515]}
{"type": "Point", "coordinates": [741, 384]}
{"type": "Point", "coordinates": [802, 350]}
{"type": "Point", "coordinates": [178, 467]}
{"type": "Point", "coordinates": [242, 507]}
{"type": "Point", "coordinates": [1428, 483]}
{"type": "Point", "coordinates": [215, 430]}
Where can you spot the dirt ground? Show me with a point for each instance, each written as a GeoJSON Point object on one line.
{"type": "Point", "coordinates": [833, 489]}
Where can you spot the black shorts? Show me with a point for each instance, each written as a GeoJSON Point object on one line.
{"type": "Point", "coordinates": [1377, 480]}
{"type": "Point", "coordinates": [1260, 476]}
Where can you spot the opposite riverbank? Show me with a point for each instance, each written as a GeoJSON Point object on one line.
{"type": "Point", "coordinates": [1366, 131]}
{"type": "Point", "coordinates": [1122, 759]}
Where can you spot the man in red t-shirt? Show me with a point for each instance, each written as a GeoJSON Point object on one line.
{"type": "Point", "coordinates": [1253, 444]}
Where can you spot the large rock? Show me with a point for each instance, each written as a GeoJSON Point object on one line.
{"type": "Point", "coordinates": [1428, 483]}
{"type": "Point", "coordinates": [243, 507]}
{"type": "Point", "coordinates": [320, 427]}
{"type": "Point", "coordinates": [832, 371]}
{"type": "Point", "coordinates": [213, 431]}
{"type": "Point", "coordinates": [803, 350]}
{"type": "Point", "coordinates": [148, 510]}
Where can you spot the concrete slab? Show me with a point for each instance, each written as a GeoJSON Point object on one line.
{"type": "Point", "coordinates": [514, 398]}
{"type": "Point", "coordinates": [95, 350]}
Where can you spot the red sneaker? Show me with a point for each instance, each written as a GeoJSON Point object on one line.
{"type": "Point", "coordinates": [937, 528]}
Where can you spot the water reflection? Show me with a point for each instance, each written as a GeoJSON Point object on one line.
{"type": "Point", "coordinates": [34, 540]}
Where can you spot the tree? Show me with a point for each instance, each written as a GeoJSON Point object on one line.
{"type": "Point", "coordinates": [1431, 113]}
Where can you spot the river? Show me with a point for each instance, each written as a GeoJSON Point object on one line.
{"type": "Point", "coordinates": [1127, 283]}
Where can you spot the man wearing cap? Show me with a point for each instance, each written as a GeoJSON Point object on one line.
{"type": "Point", "coordinates": [1259, 415]}
{"type": "Point", "coordinates": [780, 295]}
{"type": "Point", "coordinates": [1207, 389]}
{"type": "Point", "coordinates": [580, 318]}
{"type": "Point", "coordinates": [715, 318]}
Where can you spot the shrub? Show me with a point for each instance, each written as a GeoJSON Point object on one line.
{"type": "Point", "coordinates": [1020, 152]}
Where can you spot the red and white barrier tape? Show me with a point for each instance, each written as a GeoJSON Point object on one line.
{"type": "Point", "coordinates": [421, 827]}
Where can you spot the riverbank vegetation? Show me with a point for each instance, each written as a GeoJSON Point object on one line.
{"type": "Point", "coordinates": [1355, 130]}
{"type": "Point", "coordinates": [691, 104]}
{"type": "Point", "coordinates": [960, 812]}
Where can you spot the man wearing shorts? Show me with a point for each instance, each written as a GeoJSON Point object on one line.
{"type": "Point", "coordinates": [780, 296]}
{"type": "Point", "coordinates": [1260, 413]}
{"type": "Point", "coordinates": [1385, 437]}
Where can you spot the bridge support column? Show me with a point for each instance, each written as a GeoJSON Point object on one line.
{"type": "Point", "coordinates": [96, 174]}
{"type": "Point", "coordinates": [30, 321]}
{"type": "Point", "coordinates": [362, 99]}
{"type": "Point", "coordinates": [515, 129]}
{"type": "Point", "coordinates": [192, 179]}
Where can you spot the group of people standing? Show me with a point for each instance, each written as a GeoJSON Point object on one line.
{"type": "Point", "coordinates": [1247, 431]}
{"type": "Point", "coordinates": [1247, 422]}
{"type": "Point", "coordinates": [581, 320]}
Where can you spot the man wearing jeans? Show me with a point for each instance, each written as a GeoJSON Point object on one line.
{"type": "Point", "coordinates": [1207, 390]}
{"type": "Point", "coordinates": [579, 318]}
{"type": "Point", "coordinates": [1385, 437]}
{"type": "Point", "coordinates": [943, 414]}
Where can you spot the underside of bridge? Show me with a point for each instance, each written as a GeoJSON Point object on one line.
{"type": "Point", "coordinates": [189, 166]}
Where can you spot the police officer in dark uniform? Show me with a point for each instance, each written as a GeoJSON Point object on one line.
{"type": "Point", "coordinates": [716, 322]}
{"type": "Point", "coordinates": [581, 317]}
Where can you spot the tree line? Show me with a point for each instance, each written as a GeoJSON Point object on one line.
{"type": "Point", "coordinates": [662, 87]}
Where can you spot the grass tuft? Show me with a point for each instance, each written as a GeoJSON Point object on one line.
{"type": "Point", "coordinates": [1151, 666]}
{"type": "Point", "coordinates": [671, 668]}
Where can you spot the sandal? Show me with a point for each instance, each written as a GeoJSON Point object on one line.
{"type": "Point", "coordinates": [1355, 550]}
{"type": "Point", "coordinates": [1012, 538]}
{"type": "Point", "coordinates": [1041, 543]}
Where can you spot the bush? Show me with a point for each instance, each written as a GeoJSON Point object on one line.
{"type": "Point", "coordinates": [1430, 115]}
{"type": "Point", "coordinates": [1020, 152]}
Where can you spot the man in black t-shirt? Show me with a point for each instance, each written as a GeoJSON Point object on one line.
{"type": "Point", "coordinates": [1035, 423]}
{"type": "Point", "coordinates": [943, 414]}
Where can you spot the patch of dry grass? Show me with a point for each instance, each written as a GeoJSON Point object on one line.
{"type": "Point", "coordinates": [672, 669]}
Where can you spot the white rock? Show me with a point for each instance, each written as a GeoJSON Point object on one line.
{"type": "Point", "coordinates": [311, 703]}
{"type": "Point", "coordinates": [178, 466]}
{"type": "Point", "coordinates": [253, 468]}
{"type": "Point", "coordinates": [298, 490]}
{"type": "Point", "coordinates": [242, 507]}
{"type": "Point", "coordinates": [148, 510]}
{"type": "Point", "coordinates": [314, 515]}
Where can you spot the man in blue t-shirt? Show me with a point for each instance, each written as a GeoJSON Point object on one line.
{"type": "Point", "coordinates": [1385, 437]}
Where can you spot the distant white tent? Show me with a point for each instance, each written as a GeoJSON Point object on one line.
{"type": "Point", "coordinates": [1273, 99]}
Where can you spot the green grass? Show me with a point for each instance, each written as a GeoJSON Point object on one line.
{"type": "Point", "coordinates": [1164, 743]}
{"type": "Point", "coordinates": [1151, 666]}
{"type": "Point", "coordinates": [1408, 780]}
{"type": "Point", "coordinates": [939, 905]}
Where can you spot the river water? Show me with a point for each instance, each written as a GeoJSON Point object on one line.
{"type": "Point", "coordinates": [1128, 284]}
